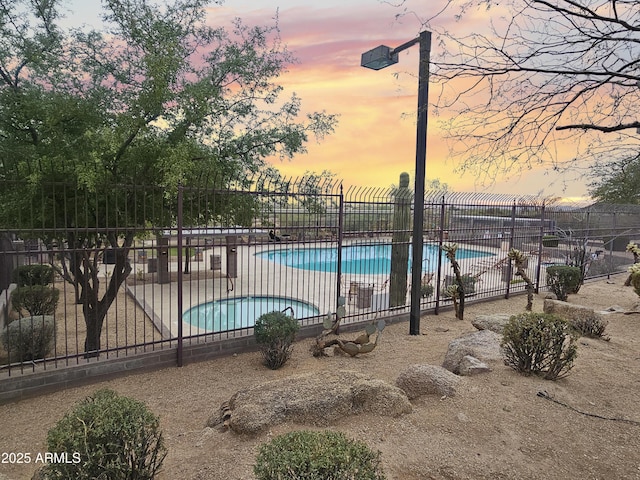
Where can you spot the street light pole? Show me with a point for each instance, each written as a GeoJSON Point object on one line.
{"type": "Point", "coordinates": [377, 59]}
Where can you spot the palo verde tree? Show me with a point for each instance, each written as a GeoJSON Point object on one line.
{"type": "Point", "coordinates": [539, 78]}
{"type": "Point", "coordinates": [98, 128]}
{"type": "Point", "coordinates": [617, 181]}
{"type": "Point", "coordinates": [297, 205]}
{"type": "Point", "coordinates": [311, 191]}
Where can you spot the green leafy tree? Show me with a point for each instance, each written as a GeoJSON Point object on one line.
{"type": "Point", "coordinates": [310, 191]}
{"type": "Point", "coordinates": [617, 182]}
{"type": "Point", "coordinates": [98, 128]}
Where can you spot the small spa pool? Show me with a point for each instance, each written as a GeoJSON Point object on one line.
{"type": "Point", "coordinates": [242, 312]}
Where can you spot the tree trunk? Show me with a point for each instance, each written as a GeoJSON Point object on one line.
{"type": "Point", "coordinates": [93, 321]}
{"type": "Point", "coordinates": [456, 270]}
{"type": "Point", "coordinates": [82, 272]}
{"type": "Point", "coordinates": [451, 255]}
{"type": "Point", "coordinates": [520, 271]}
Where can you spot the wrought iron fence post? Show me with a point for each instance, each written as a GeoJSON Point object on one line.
{"type": "Point", "coordinates": [614, 235]}
{"type": "Point", "coordinates": [180, 273]}
{"type": "Point", "coordinates": [439, 268]}
{"type": "Point", "coordinates": [512, 232]}
{"type": "Point", "coordinates": [539, 267]}
{"type": "Point", "coordinates": [339, 256]}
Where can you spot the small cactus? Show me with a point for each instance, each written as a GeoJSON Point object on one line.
{"type": "Point", "coordinates": [361, 344]}
{"type": "Point", "coordinates": [331, 322]}
{"type": "Point", "coordinates": [457, 294]}
{"type": "Point", "coordinates": [519, 260]}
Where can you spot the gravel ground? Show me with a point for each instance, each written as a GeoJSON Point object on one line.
{"type": "Point", "coordinates": [495, 427]}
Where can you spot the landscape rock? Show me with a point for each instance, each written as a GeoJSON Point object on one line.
{"type": "Point", "coordinates": [495, 322]}
{"type": "Point", "coordinates": [310, 399]}
{"type": "Point", "coordinates": [613, 309]}
{"type": "Point", "coordinates": [472, 366]}
{"type": "Point", "coordinates": [634, 309]}
{"type": "Point", "coordinates": [570, 311]}
{"type": "Point", "coordinates": [423, 379]}
{"type": "Point", "coordinates": [484, 345]}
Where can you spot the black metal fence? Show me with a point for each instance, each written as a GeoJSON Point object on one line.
{"type": "Point", "coordinates": [140, 269]}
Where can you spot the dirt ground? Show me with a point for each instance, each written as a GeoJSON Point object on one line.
{"type": "Point", "coordinates": [495, 427]}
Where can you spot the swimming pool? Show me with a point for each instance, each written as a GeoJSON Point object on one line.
{"type": "Point", "coordinates": [359, 259]}
{"type": "Point", "coordinates": [242, 312]}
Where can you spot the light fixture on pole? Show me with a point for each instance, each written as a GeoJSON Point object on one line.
{"type": "Point", "coordinates": [379, 58]}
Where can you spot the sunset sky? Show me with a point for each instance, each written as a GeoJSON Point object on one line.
{"type": "Point", "coordinates": [375, 138]}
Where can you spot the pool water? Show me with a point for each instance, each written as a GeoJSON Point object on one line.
{"type": "Point", "coordinates": [242, 312]}
{"type": "Point", "coordinates": [359, 259]}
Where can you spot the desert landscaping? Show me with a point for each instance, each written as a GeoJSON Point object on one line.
{"type": "Point", "coordinates": [497, 424]}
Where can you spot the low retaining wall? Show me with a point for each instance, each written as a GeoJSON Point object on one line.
{"type": "Point", "coordinates": [26, 385]}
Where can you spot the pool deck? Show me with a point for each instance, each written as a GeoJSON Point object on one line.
{"type": "Point", "coordinates": [258, 276]}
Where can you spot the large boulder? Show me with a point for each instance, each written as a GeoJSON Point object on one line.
{"type": "Point", "coordinates": [495, 322]}
{"type": "Point", "coordinates": [570, 311]}
{"type": "Point", "coordinates": [309, 399]}
{"type": "Point", "coordinates": [424, 379]}
{"type": "Point", "coordinates": [483, 345]}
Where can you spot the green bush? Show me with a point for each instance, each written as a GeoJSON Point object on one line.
{"type": "Point", "coordinates": [35, 299]}
{"type": "Point", "coordinates": [468, 283]}
{"type": "Point", "coordinates": [37, 274]}
{"type": "Point", "coordinates": [275, 333]}
{"type": "Point", "coordinates": [317, 456]}
{"type": "Point", "coordinates": [635, 283]}
{"type": "Point", "coordinates": [550, 241]}
{"type": "Point", "coordinates": [426, 290]}
{"type": "Point", "coordinates": [29, 338]}
{"type": "Point", "coordinates": [540, 344]}
{"type": "Point", "coordinates": [117, 438]}
{"type": "Point", "coordinates": [634, 277]}
{"type": "Point", "coordinates": [563, 280]}
{"type": "Point", "coordinates": [591, 326]}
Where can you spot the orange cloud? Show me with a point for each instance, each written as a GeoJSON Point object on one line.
{"type": "Point", "coordinates": [376, 136]}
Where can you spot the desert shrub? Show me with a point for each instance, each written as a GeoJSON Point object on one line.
{"type": "Point", "coordinates": [275, 333]}
{"type": "Point", "coordinates": [634, 277]}
{"type": "Point", "coordinates": [37, 274]}
{"type": "Point", "coordinates": [468, 283]}
{"type": "Point", "coordinates": [317, 456]}
{"type": "Point", "coordinates": [426, 290]}
{"type": "Point", "coordinates": [563, 280]}
{"type": "Point", "coordinates": [540, 344]}
{"type": "Point", "coordinates": [35, 299]}
{"type": "Point", "coordinates": [591, 326]}
{"type": "Point", "coordinates": [117, 438]}
{"type": "Point", "coordinates": [29, 338]}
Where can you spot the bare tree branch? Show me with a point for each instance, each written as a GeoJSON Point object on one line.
{"type": "Point", "coordinates": [547, 82]}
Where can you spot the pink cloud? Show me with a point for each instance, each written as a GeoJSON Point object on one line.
{"type": "Point", "coordinates": [375, 139]}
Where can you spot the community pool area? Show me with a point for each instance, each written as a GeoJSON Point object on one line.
{"type": "Point", "coordinates": [359, 259]}
{"type": "Point", "coordinates": [242, 312]}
